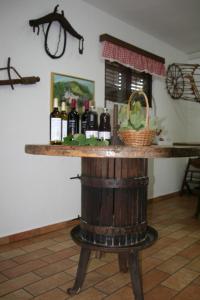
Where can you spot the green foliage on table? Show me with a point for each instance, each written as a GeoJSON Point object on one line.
{"type": "Point", "coordinates": [135, 119]}
{"type": "Point", "coordinates": [80, 140]}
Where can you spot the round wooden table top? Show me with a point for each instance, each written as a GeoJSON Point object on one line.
{"type": "Point", "coordinates": [116, 151]}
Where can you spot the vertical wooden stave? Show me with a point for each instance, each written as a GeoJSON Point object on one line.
{"type": "Point", "coordinates": [115, 207]}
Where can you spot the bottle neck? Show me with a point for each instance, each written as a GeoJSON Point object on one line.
{"type": "Point", "coordinates": [86, 105]}
{"type": "Point", "coordinates": [63, 106]}
{"type": "Point", "coordinates": [92, 108]}
{"type": "Point", "coordinates": [55, 103]}
{"type": "Point", "coordinates": [73, 104]}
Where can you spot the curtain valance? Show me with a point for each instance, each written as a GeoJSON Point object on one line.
{"type": "Point", "coordinates": [116, 50]}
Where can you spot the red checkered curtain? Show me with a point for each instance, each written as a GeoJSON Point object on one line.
{"type": "Point", "coordinates": [132, 59]}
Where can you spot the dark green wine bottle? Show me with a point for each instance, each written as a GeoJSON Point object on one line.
{"type": "Point", "coordinates": [92, 124]}
{"type": "Point", "coordinates": [104, 126]}
{"type": "Point", "coordinates": [73, 120]}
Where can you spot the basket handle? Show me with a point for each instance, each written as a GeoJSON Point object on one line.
{"type": "Point", "coordinates": [147, 106]}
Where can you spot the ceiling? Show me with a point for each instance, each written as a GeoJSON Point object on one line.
{"type": "Point", "coordinates": [176, 22]}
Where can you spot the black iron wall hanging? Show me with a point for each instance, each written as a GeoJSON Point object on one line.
{"type": "Point", "coordinates": [64, 25]}
{"type": "Point", "coordinates": [183, 81]}
{"type": "Point", "coordinates": [19, 80]}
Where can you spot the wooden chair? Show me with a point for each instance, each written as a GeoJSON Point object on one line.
{"type": "Point", "coordinates": [191, 178]}
{"type": "Point", "coordinates": [191, 181]}
{"type": "Point", "coordinates": [196, 192]}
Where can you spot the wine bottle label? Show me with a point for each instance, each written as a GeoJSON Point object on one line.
{"type": "Point", "coordinates": [104, 135]}
{"type": "Point", "coordinates": [55, 129]}
{"type": "Point", "coordinates": [72, 127]}
{"type": "Point", "coordinates": [83, 126]}
{"type": "Point", "coordinates": [91, 133]}
{"type": "Point", "coordinates": [64, 129]}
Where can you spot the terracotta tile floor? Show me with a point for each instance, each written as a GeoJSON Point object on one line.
{"type": "Point", "coordinates": [43, 267]}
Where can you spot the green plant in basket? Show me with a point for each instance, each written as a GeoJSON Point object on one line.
{"type": "Point", "coordinates": [136, 126]}
{"type": "Point", "coordinates": [136, 120]}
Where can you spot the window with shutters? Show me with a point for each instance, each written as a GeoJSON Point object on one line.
{"type": "Point", "coordinates": [121, 81]}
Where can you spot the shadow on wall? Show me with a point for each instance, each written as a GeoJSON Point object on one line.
{"type": "Point", "coordinates": [151, 178]}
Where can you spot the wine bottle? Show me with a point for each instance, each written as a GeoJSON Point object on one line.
{"type": "Point", "coordinates": [73, 120]}
{"type": "Point", "coordinates": [92, 124]}
{"type": "Point", "coordinates": [104, 126]}
{"type": "Point", "coordinates": [55, 124]}
{"type": "Point", "coordinates": [64, 118]}
{"type": "Point", "coordinates": [84, 117]}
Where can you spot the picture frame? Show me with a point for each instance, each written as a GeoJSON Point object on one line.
{"type": "Point", "coordinates": [67, 87]}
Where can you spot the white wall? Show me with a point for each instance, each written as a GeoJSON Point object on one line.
{"type": "Point", "coordinates": [35, 190]}
{"type": "Point", "coordinates": [193, 113]}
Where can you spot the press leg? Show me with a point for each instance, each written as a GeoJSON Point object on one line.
{"type": "Point", "coordinates": [81, 271]}
{"type": "Point", "coordinates": [123, 262]}
{"type": "Point", "coordinates": [135, 275]}
{"type": "Point", "coordinates": [99, 254]}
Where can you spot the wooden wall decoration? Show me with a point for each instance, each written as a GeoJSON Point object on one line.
{"type": "Point", "coordinates": [19, 80]}
{"type": "Point", "coordinates": [64, 25]}
{"type": "Point", "coordinates": [183, 81]}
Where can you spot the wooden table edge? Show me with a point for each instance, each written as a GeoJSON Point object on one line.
{"type": "Point", "coordinates": [117, 151]}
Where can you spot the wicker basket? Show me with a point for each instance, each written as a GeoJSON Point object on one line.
{"type": "Point", "coordinates": [143, 137]}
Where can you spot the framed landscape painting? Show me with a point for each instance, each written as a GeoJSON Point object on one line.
{"type": "Point", "coordinates": [67, 87]}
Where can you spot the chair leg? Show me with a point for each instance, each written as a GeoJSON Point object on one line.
{"type": "Point", "coordinates": [123, 262]}
{"type": "Point", "coordinates": [197, 213]}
